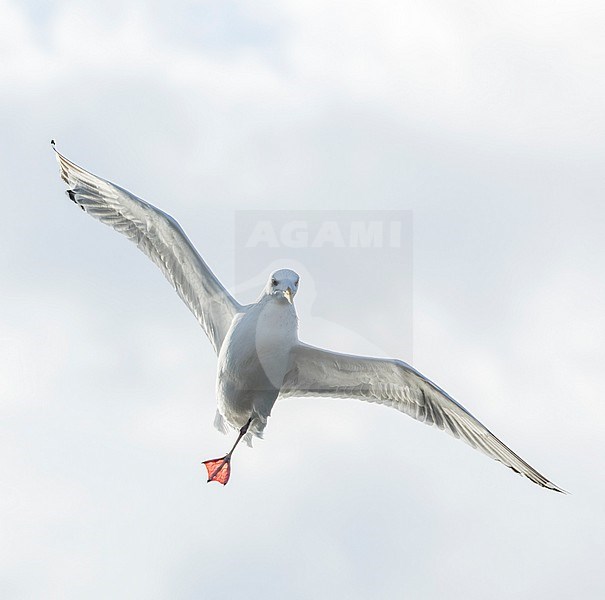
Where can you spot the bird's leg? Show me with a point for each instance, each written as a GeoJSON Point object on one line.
{"type": "Point", "coordinates": [219, 469]}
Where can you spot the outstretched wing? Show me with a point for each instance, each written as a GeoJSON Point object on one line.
{"type": "Point", "coordinates": [317, 372]}
{"type": "Point", "coordinates": [161, 238]}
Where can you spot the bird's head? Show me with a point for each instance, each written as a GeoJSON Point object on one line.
{"type": "Point", "coordinates": [283, 284]}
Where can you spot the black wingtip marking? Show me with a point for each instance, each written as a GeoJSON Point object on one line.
{"type": "Point", "coordinates": [52, 143]}
{"type": "Point", "coordinates": [72, 197]}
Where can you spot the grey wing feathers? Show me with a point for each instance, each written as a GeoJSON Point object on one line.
{"type": "Point", "coordinates": [317, 372]}
{"type": "Point", "coordinates": [161, 238]}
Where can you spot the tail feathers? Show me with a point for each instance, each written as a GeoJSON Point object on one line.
{"type": "Point", "coordinates": [220, 423]}
{"type": "Point", "coordinates": [256, 428]}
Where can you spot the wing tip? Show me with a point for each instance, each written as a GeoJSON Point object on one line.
{"type": "Point", "coordinates": [540, 480]}
{"type": "Point", "coordinates": [65, 166]}
{"type": "Point", "coordinates": [555, 488]}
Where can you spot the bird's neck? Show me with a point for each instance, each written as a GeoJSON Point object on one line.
{"type": "Point", "coordinates": [268, 298]}
{"type": "Point", "coordinates": [275, 308]}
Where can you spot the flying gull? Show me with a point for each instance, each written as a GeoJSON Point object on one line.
{"type": "Point", "coordinates": [260, 357]}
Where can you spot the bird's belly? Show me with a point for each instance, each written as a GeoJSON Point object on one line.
{"type": "Point", "coordinates": [253, 362]}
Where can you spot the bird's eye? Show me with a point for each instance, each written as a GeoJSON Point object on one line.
{"type": "Point", "coordinates": [274, 282]}
{"type": "Point", "coordinates": [296, 282]}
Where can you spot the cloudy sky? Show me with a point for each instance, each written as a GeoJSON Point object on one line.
{"type": "Point", "coordinates": [481, 122]}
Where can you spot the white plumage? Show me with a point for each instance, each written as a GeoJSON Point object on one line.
{"type": "Point", "coordinates": [260, 357]}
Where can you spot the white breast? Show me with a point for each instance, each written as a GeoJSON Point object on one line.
{"type": "Point", "coordinates": [256, 350]}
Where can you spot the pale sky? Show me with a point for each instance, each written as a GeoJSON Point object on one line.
{"type": "Point", "coordinates": [482, 122]}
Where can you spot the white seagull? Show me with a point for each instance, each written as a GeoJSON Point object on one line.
{"type": "Point", "coordinates": [260, 357]}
